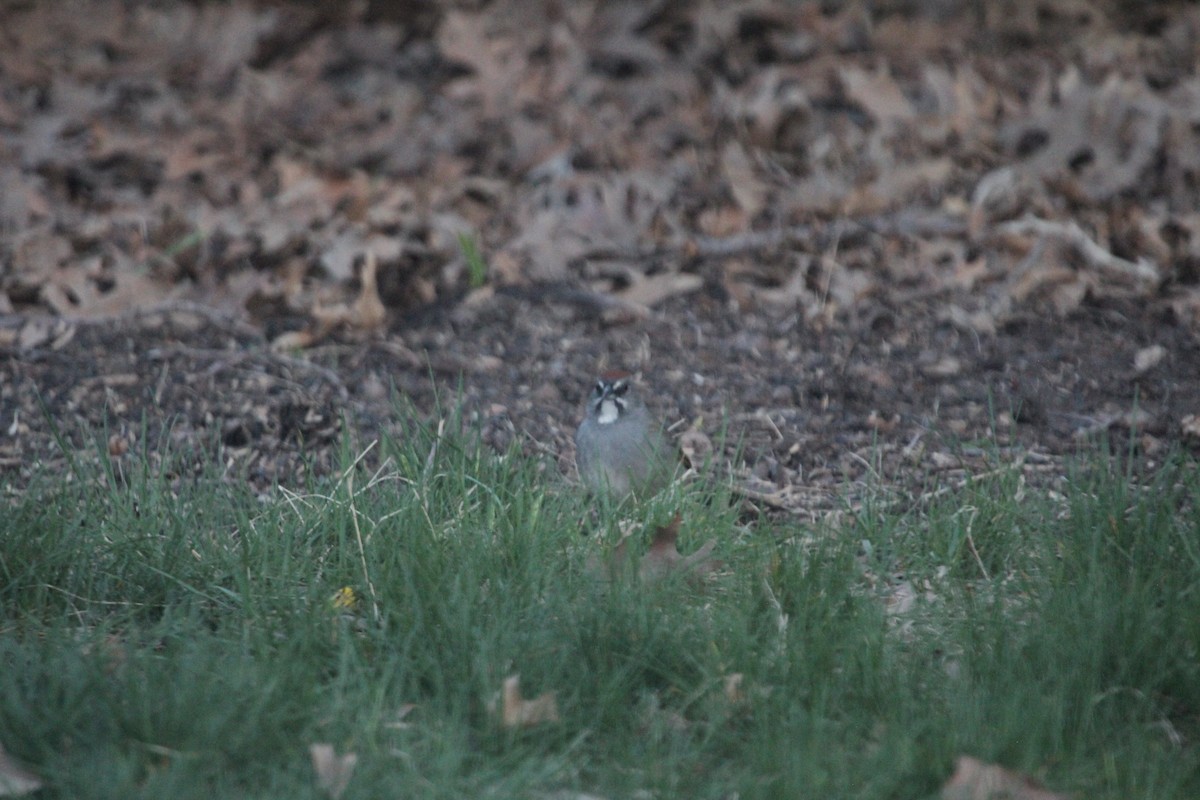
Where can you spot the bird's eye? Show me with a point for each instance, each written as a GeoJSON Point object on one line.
{"type": "Point", "coordinates": [619, 389]}
{"type": "Point", "coordinates": [599, 387]}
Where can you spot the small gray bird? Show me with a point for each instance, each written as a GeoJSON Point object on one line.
{"type": "Point", "coordinates": [619, 446]}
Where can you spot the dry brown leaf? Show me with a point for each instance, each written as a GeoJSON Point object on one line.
{"type": "Point", "coordinates": [750, 193]}
{"type": "Point", "coordinates": [696, 447]}
{"type": "Point", "coordinates": [399, 721]}
{"type": "Point", "coordinates": [654, 717]}
{"type": "Point", "coordinates": [337, 258]}
{"type": "Point", "coordinates": [15, 779]}
{"type": "Point", "coordinates": [37, 331]}
{"type": "Point", "coordinates": [846, 286]}
{"type": "Point", "coordinates": [878, 422]}
{"type": "Point", "coordinates": [982, 321]}
{"type": "Point", "coordinates": [293, 340]}
{"type": "Point", "coordinates": [496, 59]}
{"type": "Point", "coordinates": [649, 292]}
{"type": "Point", "coordinates": [517, 712]}
{"type": "Point", "coordinates": [998, 195]}
{"type": "Point", "coordinates": [976, 780]}
{"type": "Point", "coordinates": [1118, 125]}
{"type": "Point", "coordinates": [574, 217]}
{"type": "Point", "coordinates": [968, 274]}
{"type": "Point", "coordinates": [1148, 358]}
{"type": "Point", "coordinates": [944, 367]}
{"type": "Point", "coordinates": [118, 445]}
{"type": "Point", "coordinates": [75, 290]}
{"type": "Point", "coordinates": [898, 183]}
{"type": "Point", "coordinates": [878, 93]}
{"type": "Point", "coordinates": [40, 253]}
{"type": "Point", "coordinates": [21, 201]}
{"type": "Point", "coordinates": [722, 221]}
{"type": "Point", "coordinates": [368, 312]}
{"type": "Point", "coordinates": [1044, 281]}
{"type": "Point", "coordinates": [664, 558]}
{"type": "Point", "coordinates": [732, 686]}
{"type": "Point", "coordinates": [333, 771]}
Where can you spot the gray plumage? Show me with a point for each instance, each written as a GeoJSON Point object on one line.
{"type": "Point", "coordinates": [619, 446]}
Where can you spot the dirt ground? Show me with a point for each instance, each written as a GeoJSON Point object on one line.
{"type": "Point", "coordinates": [153, 282]}
{"type": "Point", "coordinates": [919, 405]}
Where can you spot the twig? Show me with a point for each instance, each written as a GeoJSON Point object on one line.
{"type": "Point", "coordinates": [978, 560]}
{"type": "Point", "coordinates": [899, 223]}
{"type": "Point", "coordinates": [1142, 271]}
{"type": "Point", "coordinates": [971, 543]}
{"type": "Point", "coordinates": [264, 356]}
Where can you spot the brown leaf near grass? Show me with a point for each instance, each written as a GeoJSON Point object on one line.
{"type": "Point", "coordinates": [15, 779]}
{"type": "Point", "coordinates": [333, 771]}
{"type": "Point", "coordinates": [366, 314]}
{"type": "Point", "coordinates": [663, 558]}
{"type": "Point", "coordinates": [977, 780]}
{"type": "Point", "coordinates": [696, 447]}
{"type": "Point", "coordinates": [517, 712]}
{"type": "Point", "coordinates": [732, 683]}
{"type": "Point", "coordinates": [1189, 426]}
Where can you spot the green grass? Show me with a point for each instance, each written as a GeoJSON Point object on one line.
{"type": "Point", "coordinates": [169, 638]}
{"type": "Point", "coordinates": [477, 269]}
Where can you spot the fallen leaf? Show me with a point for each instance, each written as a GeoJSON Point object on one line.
{"type": "Point", "coordinates": [333, 771]}
{"type": "Point", "coordinates": [1148, 358]}
{"type": "Point", "coordinates": [651, 291]}
{"type": "Point", "coordinates": [654, 717]}
{"type": "Point", "coordinates": [293, 340]}
{"type": "Point", "coordinates": [118, 445]}
{"type": "Point", "coordinates": [751, 194]}
{"type": "Point", "coordinates": [882, 424]}
{"type": "Point", "coordinates": [1117, 123]}
{"type": "Point", "coordinates": [944, 367]}
{"type": "Point", "coordinates": [982, 321]}
{"type": "Point", "coordinates": [1141, 273]}
{"type": "Point", "coordinates": [734, 692]}
{"type": "Point", "coordinates": [877, 93]}
{"type": "Point", "coordinates": [368, 311]}
{"type": "Point", "coordinates": [664, 557]}
{"type": "Point", "coordinates": [696, 447]}
{"type": "Point", "coordinates": [518, 712]}
{"type": "Point", "coordinates": [398, 721]}
{"type": "Point", "coordinates": [344, 599]}
{"type": "Point", "coordinates": [975, 780]}
{"type": "Point", "coordinates": [15, 779]}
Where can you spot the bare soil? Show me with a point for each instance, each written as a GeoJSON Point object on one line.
{"type": "Point", "coordinates": [903, 399]}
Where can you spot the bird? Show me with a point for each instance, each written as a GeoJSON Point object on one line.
{"type": "Point", "coordinates": [619, 446]}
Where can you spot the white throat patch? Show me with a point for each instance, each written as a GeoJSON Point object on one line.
{"type": "Point", "coordinates": [608, 412]}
